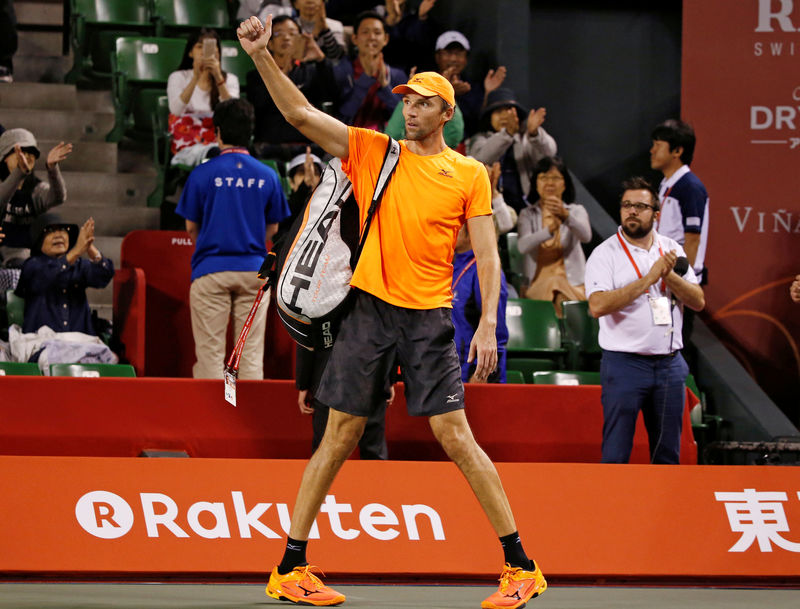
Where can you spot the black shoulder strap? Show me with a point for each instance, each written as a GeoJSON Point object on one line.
{"type": "Point", "coordinates": [390, 160]}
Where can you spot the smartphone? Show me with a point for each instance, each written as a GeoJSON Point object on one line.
{"type": "Point", "coordinates": [209, 48]}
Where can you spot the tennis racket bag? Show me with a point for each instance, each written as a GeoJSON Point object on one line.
{"type": "Point", "coordinates": [315, 261]}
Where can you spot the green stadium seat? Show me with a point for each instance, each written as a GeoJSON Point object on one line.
{"type": "Point", "coordinates": [533, 330]}
{"type": "Point", "coordinates": [516, 267]}
{"type": "Point", "coordinates": [566, 377]}
{"type": "Point", "coordinates": [15, 308]}
{"type": "Point", "coordinates": [528, 365]}
{"type": "Point", "coordinates": [95, 25]}
{"type": "Point", "coordinates": [141, 66]}
{"type": "Point", "coordinates": [236, 61]}
{"type": "Point", "coordinates": [19, 369]}
{"type": "Point", "coordinates": [514, 377]}
{"type": "Point", "coordinates": [579, 335]}
{"type": "Point", "coordinates": [92, 370]}
{"type": "Point", "coordinates": [177, 14]}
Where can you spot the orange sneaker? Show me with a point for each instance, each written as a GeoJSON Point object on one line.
{"type": "Point", "coordinates": [517, 587]}
{"type": "Point", "coordinates": [302, 587]}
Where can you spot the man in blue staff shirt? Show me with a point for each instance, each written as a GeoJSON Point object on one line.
{"type": "Point", "coordinates": [232, 205]}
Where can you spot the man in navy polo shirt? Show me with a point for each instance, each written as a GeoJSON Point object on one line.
{"type": "Point", "coordinates": [232, 205]}
{"type": "Point", "coordinates": [684, 200]}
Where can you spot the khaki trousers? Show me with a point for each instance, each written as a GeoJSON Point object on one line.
{"type": "Point", "coordinates": [214, 299]}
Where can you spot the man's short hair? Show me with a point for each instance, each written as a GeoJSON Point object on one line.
{"type": "Point", "coordinates": [281, 19]}
{"type": "Point", "coordinates": [640, 183]}
{"type": "Point", "coordinates": [368, 15]}
{"type": "Point", "coordinates": [235, 119]}
{"type": "Point", "coordinates": [677, 133]}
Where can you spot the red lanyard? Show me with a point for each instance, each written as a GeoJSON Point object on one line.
{"type": "Point", "coordinates": [233, 361]}
{"type": "Point", "coordinates": [633, 262]}
{"type": "Point", "coordinates": [235, 149]}
{"type": "Point", "coordinates": [461, 274]}
{"type": "Point", "coordinates": [663, 203]}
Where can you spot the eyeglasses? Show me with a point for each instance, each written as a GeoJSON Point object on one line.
{"type": "Point", "coordinates": [639, 207]}
{"type": "Point", "coordinates": [546, 178]}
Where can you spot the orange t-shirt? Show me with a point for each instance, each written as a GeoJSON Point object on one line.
{"type": "Point", "coordinates": [407, 259]}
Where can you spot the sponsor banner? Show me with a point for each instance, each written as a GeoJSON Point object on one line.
{"type": "Point", "coordinates": [163, 516]}
{"type": "Point", "coordinates": [741, 91]}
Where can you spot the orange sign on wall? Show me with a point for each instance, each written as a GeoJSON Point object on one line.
{"type": "Point", "coordinates": [214, 516]}
{"type": "Point", "coordinates": [741, 92]}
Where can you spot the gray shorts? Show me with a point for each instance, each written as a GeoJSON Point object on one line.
{"type": "Point", "coordinates": [373, 337]}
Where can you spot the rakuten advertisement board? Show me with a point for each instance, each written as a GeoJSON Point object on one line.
{"type": "Point", "coordinates": [389, 519]}
{"type": "Point", "coordinates": [741, 92]}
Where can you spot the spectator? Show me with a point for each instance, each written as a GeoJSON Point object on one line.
{"type": "Point", "coordinates": [794, 290]}
{"type": "Point", "coordinates": [8, 40]}
{"type": "Point", "coordinates": [23, 196]}
{"type": "Point", "coordinates": [366, 82]}
{"type": "Point", "coordinates": [327, 33]}
{"type": "Point", "coordinates": [684, 200]}
{"type": "Point", "coordinates": [304, 172]}
{"type": "Point", "coordinates": [514, 137]}
{"type": "Point", "coordinates": [639, 298]}
{"type": "Point", "coordinates": [232, 205]}
{"type": "Point", "coordinates": [54, 279]}
{"type": "Point", "coordinates": [193, 92]}
{"type": "Point", "coordinates": [550, 235]}
{"type": "Point", "coordinates": [467, 305]}
{"type": "Point", "coordinates": [310, 366]}
{"type": "Point", "coordinates": [452, 53]}
{"type": "Point", "coordinates": [262, 8]}
{"type": "Point", "coordinates": [306, 66]}
{"type": "Point", "coordinates": [412, 33]}
{"type": "Point", "coordinates": [504, 216]}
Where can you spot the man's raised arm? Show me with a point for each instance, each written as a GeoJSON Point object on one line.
{"type": "Point", "coordinates": [317, 126]}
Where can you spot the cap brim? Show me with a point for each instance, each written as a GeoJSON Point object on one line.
{"type": "Point", "coordinates": [424, 91]}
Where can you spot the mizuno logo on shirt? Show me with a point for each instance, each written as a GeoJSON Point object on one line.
{"type": "Point", "coordinates": [446, 173]}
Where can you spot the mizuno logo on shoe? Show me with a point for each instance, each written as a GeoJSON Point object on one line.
{"type": "Point", "coordinates": [515, 595]}
{"type": "Point", "coordinates": [307, 592]}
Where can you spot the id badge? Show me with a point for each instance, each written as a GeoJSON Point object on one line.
{"type": "Point", "coordinates": [662, 314]}
{"type": "Point", "coordinates": [230, 388]}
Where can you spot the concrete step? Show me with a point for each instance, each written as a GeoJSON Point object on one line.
{"type": "Point", "coordinates": [39, 13]}
{"type": "Point", "coordinates": [68, 125]}
{"type": "Point", "coordinates": [111, 221]}
{"type": "Point", "coordinates": [39, 96]}
{"type": "Point", "coordinates": [110, 247]}
{"type": "Point", "coordinates": [85, 156]}
{"type": "Point", "coordinates": [95, 101]}
{"type": "Point", "coordinates": [33, 68]}
{"type": "Point", "coordinates": [114, 190]}
{"type": "Point", "coordinates": [39, 44]}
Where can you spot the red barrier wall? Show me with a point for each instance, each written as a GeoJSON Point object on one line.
{"type": "Point", "coordinates": [121, 417]}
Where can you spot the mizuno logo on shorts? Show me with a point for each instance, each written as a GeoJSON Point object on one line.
{"type": "Point", "coordinates": [452, 398]}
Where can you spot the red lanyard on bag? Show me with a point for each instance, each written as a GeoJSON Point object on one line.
{"type": "Point", "coordinates": [633, 262]}
{"type": "Point", "coordinates": [461, 274]}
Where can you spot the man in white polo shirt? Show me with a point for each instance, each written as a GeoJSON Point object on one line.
{"type": "Point", "coordinates": [634, 285]}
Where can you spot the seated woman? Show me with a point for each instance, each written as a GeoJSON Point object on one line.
{"type": "Point", "coordinates": [516, 139]}
{"type": "Point", "coordinates": [193, 91]}
{"type": "Point", "coordinates": [550, 235]}
{"type": "Point", "coordinates": [54, 279]}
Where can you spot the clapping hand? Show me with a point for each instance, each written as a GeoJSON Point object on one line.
{"type": "Point", "coordinates": [494, 78]}
{"type": "Point", "coordinates": [794, 290]}
{"type": "Point", "coordinates": [23, 162]}
{"type": "Point", "coordinates": [535, 120]}
{"type": "Point", "coordinates": [58, 153]}
{"type": "Point", "coordinates": [310, 176]}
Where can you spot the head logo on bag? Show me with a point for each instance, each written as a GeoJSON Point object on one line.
{"type": "Point", "coordinates": [317, 258]}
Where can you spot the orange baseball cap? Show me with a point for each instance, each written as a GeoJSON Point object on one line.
{"type": "Point", "coordinates": [429, 84]}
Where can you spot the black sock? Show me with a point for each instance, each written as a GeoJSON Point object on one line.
{"type": "Point", "coordinates": [514, 553]}
{"type": "Point", "coordinates": [294, 556]}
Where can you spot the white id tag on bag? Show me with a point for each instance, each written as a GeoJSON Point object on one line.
{"type": "Point", "coordinates": [230, 388]}
{"type": "Point", "coordinates": [661, 311]}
